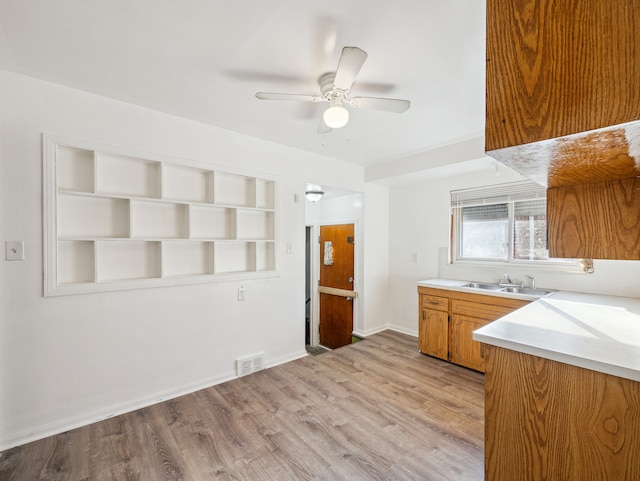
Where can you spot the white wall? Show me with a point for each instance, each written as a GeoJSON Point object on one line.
{"type": "Point", "coordinates": [419, 223]}
{"type": "Point", "coordinates": [69, 360]}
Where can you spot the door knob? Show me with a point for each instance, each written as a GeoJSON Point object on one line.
{"type": "Point", "coordinates": [350, 279]}
{"type": "Point", "coordinates": [349, 298]}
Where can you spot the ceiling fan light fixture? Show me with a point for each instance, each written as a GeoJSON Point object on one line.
{"type": "Point", "coordinates": [313, 195]}
{"type": "Point", "coordinates": [336, 116]}
{"type": "Point", "coordinates": [335, 88]}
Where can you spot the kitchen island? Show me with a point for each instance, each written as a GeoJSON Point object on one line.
{"type": "Point", "coordinates": [562, 390]}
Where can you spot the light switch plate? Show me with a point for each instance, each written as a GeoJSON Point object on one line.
{"type": "Point", "coordinates": [14, 250]}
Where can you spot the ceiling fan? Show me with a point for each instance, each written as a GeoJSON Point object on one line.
{"type": "Point", "coordinates": [335, 87]}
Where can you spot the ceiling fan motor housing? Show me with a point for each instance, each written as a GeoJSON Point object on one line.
{"type": "Point", "coordinates": [325, 81]}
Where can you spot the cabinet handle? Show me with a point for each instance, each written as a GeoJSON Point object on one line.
{"type": "Point", "coordinates": [433, 303]}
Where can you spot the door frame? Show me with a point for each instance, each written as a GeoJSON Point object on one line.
{"type": "Point", "coordinates": [315, 275]}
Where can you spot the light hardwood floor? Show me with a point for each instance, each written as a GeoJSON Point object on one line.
{"type": "Point", "coordinates": [374, 410]}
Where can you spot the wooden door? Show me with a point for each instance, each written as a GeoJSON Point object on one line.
{"type": "Point", "coordinates": [336, 284]}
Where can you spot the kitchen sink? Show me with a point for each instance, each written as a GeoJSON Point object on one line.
{"type": "Point", "coordinates": [486, 287]}
{"type": "Point", "coordinates": [527, 291]}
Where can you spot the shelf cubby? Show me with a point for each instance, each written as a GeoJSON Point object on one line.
{"type": "Point", "coordinates": [92, 216]}
{"type": "Point", "coordinates": [255, 225]}
{"type": "Point", "coordinates": [159, 220]}
{"type": "Point", "coordinates": [265, 256]}
{"type": "Point", "coordinates": [187, 184]}
{"type": "Point", "coordinates": [234, 257]}
{"type": "Point", "coordinates": [126, 260]}
{"type": "Point", "coordinates": [76, 262]}
{"type": "Point", "coordinates": [265, 198]}
{"type": "Point", "coordinates": [181, 259]}
{"type": "Point", "coordinates": [234, 189]}
{"type": "Point", "coordinates": [117, 174]}
{"type": "Point", "coordinates": [210, 222]}
{"type": "Point", "coordinates": [76, 169]}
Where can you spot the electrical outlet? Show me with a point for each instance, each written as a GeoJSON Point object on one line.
{"type": "Point", "coordinates": [14, 250]}
{"type": "Point", "coordinates": [242, 294]}
{"type": "Point", "coordinates": [414, 257]}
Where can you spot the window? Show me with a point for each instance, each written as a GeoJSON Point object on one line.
{"type": "Point", "coordinates": [503, 223]}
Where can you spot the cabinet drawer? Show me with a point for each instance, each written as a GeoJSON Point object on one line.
{"type": "Point", "coordinates": [489, 312]}
{"type": "Point", "coordinates": [434, 302]}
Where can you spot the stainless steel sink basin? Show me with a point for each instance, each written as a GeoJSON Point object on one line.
{"type": "Point", "coordinates": [527, 291]}
{"type": "Point", "coordinates": [486, 287]}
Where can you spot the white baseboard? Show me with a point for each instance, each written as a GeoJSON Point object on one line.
{"type": "Point", "coordinates": [404, 330]}
{"type": "Point", "coordinates": [11, 440]}
{"type": "Point", "coordinates": [289, 358]}
{"type": "Point", "coordinates": [391, 327]}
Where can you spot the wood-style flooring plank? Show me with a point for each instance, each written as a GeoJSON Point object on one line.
{"type": "Point", "coordinates": [374, 410]}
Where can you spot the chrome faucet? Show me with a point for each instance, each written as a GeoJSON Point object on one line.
{"type": "Point", "coordinates": [506, 281]}
{"type": "Point", "coordinates": [533, 282]}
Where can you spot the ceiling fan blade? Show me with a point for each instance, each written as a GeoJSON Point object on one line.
{"type": "Point", "coordinates": [323, 128]}
{"type": "Point", "coordinates": [298, 97]}
{"type": "Point", "coordinates": [350, 63]}
{"type": "Point", "coordinates": [388, 105]}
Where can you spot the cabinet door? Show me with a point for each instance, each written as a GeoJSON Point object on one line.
{"type": "Point", "coordinates": [432, 338]}
{"type": "Point", "coordinates": [595, 220]}
{"type": "Point", "coordinates": [536, 78]}
{"type": "Point", "coordinates": [464, 350]}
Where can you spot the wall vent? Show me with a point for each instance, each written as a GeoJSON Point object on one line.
{"type": "Point", "coordinates": [247, 365]}
{"type": "Point", "coordinates": [258, 362]}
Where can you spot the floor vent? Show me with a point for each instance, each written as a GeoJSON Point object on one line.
{"type": "Point", "coordinates": [249, 364]}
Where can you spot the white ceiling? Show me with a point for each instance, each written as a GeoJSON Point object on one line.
{"type": "Point", "coordinates": [205, 59]}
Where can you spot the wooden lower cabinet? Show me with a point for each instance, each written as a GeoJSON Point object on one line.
{"type": "Point", "coordinates": [546, 420]}
{"type": "Point", "coordinates": [463, 349]}
{"type": "Point", "coordinates": [434, 326]}
{"type": "Point", "coordinates": [447, 320]}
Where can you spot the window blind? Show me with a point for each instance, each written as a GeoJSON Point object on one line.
{"type": "Point", "coordinates": [485, 212]}
{"type": "Point", "coordinates": [530, 208]}
{"type": "Point", "coordinates": [496, 194]}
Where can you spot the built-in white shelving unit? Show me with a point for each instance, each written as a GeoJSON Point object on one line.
{"type": "Point", "coordinates": [117, 220]}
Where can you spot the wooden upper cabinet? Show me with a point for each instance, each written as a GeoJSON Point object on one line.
{"type": "Point", "coordinates": [563, 108]}
{"type": "Point", "coordinates": [596, 221]}
{"type": "Point", "coordinates": [560, 67]}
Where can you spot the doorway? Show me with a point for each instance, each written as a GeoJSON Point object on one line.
{"type": "Point", "coordinates": [337, 207]}
{"type": "Point", "coordinates": [336, 285]}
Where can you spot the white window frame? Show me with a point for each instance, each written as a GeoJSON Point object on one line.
{"type": "Point", "coordinates": [499, 194]}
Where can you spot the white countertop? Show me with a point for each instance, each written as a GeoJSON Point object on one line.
{"type": "Point", "coordinates": [596, 332]}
